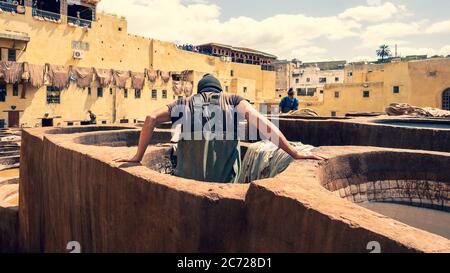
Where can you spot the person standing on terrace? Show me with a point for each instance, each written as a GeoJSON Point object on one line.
{"type": "Point", "coordinates": [289, 103]}
{"type": "Point", "coordinates": [209, 145]}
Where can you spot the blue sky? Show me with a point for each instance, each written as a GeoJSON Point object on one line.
{"type": "Point", "coordinates": [438, 9]}
{"type": "Point", "coordinates": [307, 30]}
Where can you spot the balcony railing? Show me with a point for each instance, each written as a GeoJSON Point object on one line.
{"type": "Point", "coordinates": [46, 15]}
{"type": "Point", "coordinates": [8, 7]}
{"type": "Point", "coordinates": [79, 22]}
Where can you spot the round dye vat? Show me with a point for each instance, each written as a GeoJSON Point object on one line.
{"type": "Point", "coordinates": [430, 124]}
{"type": "Point", "coordinates": [434, 221]}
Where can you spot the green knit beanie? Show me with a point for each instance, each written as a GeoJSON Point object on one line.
{"type": "Point", "coordinates": [209, 81]}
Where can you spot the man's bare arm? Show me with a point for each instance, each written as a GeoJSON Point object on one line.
{"type": "Point", "coordinates": [271, 132]}
{"type": "Point", "coordinates": [157, 117]}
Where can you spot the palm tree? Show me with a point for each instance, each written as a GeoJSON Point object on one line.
{"type": "Point", "coordinates": [384, 51]}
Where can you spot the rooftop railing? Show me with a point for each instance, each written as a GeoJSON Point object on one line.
{"type": "Point", "coordinates": [233, 59]}
{"type": "Point", "coordinates": [46, 15]}
{"type": "Point", "coordinates": [8, 7]}
{"type": "Point", "coordinates": [79, 22]}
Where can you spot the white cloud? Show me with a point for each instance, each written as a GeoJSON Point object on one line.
{"type": "Point", "coordinates": [285, 35]}
{"type": "Point", "coordinates": [310, 53]}
{"type": "Point", "coordinates": [375, 13]}
{"type": "Point", "coordinates": [198, 22]}
{"type": "Point", "coordinates": [440, 27]}
{"type": "Point", "coordinates": [389, 33]}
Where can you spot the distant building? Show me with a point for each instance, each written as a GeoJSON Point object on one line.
{"type": "Point", "coordinates": [238, 54]}
{"type": "Point", "coordinates": [284, 70]}
{"type": "Point", "coordinates": [372, 87]}
{"type": "Point", "coordinates": [309, 79]}
{"type": "Point", "coordinates": [403, 59]}
{"type": "Point", "coordinates": [329, 65]}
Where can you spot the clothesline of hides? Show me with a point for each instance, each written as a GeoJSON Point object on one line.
{"type": "Point", "coordinates": [182, 88]}
{"type": "Point", "coordinates": [61, 76]}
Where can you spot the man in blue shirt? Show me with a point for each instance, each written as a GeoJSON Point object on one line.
{"type": "Point", "coordinates": [289, 103]}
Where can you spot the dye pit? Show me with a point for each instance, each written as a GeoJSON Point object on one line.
{"type": "Point", "coordinates": [434, 218]}
{"type": "Point", "coordinates": [434, 221]}
{"type": "Point", "coordinates": [431, 124]}
{"type": "Point", "coordinates": [361, 194]}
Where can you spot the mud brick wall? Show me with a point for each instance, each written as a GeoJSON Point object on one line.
{"type": "Point", "coordinates": [73, 192]}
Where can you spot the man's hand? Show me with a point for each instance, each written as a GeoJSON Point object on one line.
{"type": "Point", "coordinates": [134, 159]}
{"type": "Point", "coordinates": [309, 155]}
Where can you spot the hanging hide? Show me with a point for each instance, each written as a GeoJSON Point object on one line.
{"type": "Point", "coordinates": [34, 74]}
{"type": "Point", "coordinates": [188, 87]}
{"type": "Point", "coordinates": [177, 88]}
{"type": "Point", "coordinates": [137, 80]}
{"type": "Point", "coordinates": [59, 75]}
{"type": "Point", "coordinates": [152, 75]}
{"type": "Point", "coordinates": [83, 76]}
{"type": "Point", "coordinates": [121, 78]}
{"type": "Point", "coordinates": [165, 76]}
{"type": "Point", "coordinates": [186, 75]}
{"type": "Point", "coordinates": [11, 71]}
{"type": "Point", "coordinates": [104, 77]}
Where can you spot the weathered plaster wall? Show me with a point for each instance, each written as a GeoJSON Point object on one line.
{"type": "Point", "coordinates": [112, 47]}
{"type": "Point", "coordinates": [429, 79]}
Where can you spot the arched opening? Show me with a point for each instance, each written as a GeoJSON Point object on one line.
{"type": "Point", "coordinates": [446, 99]}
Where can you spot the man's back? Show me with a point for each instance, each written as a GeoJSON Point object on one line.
{"type": "Point", "coordinates": [210, 159]}
{"type": "Point", "coordinates": [208, 152]}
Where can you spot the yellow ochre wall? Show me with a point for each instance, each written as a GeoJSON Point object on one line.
{"type": "Point", "coordinates": [421, 83]}
{"type": "Point", "coordinates": [111, 47]}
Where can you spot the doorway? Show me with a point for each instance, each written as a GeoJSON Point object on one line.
{"type": "Point", "coordinates": [13, 119]}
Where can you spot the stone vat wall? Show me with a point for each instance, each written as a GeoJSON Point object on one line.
{"type": "Point", "coordinates": [81, 195]}
{"type": "Point", "coordinates": [362, 132]}
{"type": "Point", "coordinates": [9, 219]}
{"type": "Point", "coordinates": [31, 207]}
{"type": "Point", "coordinates": [300, 215]}
{"type": "Point", "coordinates": [418, 179]}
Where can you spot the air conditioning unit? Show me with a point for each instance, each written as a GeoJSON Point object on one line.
{"type": "Point", "coordinates": [78, 54]}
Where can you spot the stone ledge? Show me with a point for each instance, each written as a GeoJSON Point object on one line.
{"type": "Point", "coordinates": [82, 195]}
